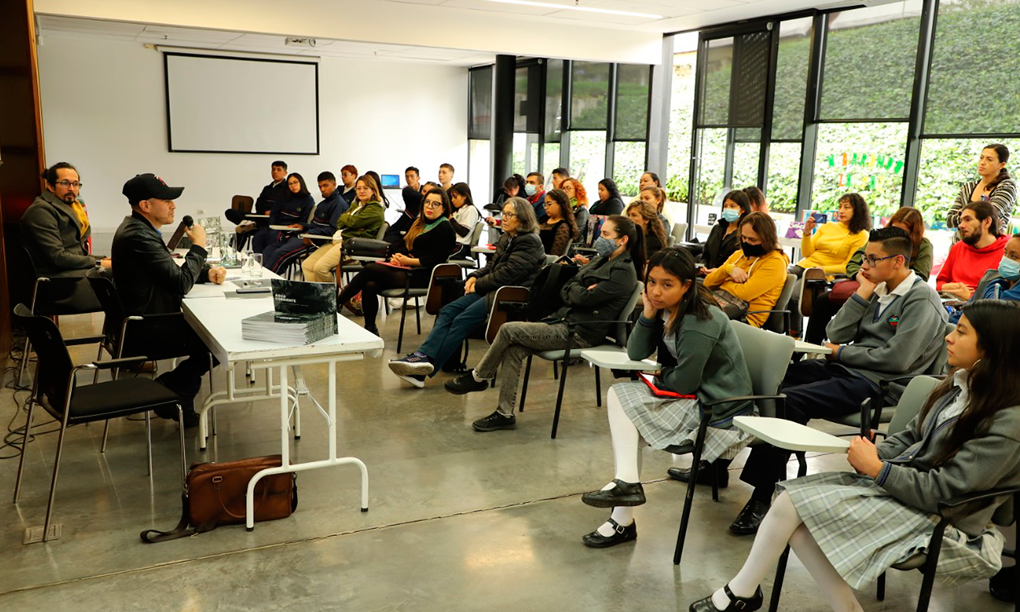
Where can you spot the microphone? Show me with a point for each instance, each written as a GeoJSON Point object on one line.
{"type": "Point", "coordinates": [186, 223]}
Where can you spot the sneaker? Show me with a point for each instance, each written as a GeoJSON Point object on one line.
{"type": "Point", "coordinates": [465, 383]}
{"type": "Point", "coordinates": [413, 379]}
{"type": "Point", "coordinates": [494, 421]}
{"type": "Point", "coordinates": [414, 364]}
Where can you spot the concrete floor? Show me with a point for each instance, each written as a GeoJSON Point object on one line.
{"type": "Point", "coordinates": [458, 520]}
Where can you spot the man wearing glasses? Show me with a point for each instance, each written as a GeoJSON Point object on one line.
{"type": "Point", "coordinates": [55, 229]}
{"type": "Point", "coordinates": [892, 327]}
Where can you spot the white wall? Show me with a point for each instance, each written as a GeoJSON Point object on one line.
{"type": "Point", "coordinates": [104, 111]}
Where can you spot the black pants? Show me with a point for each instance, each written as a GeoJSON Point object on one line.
{"type": "Point", "coordinates": [186, 379]}
{"type": "Point", "coordinates": [372, 279]}
{"type": "Point", "coordinates": [822, 311]}
{"type": "Point", "coordinates": [814, 389]}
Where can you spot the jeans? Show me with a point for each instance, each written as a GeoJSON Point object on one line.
{"type": "Point", "coordinates": [513, 344]}
{"type": "Point", "coordinates": [815, 389]}
{"type": "Point", "coordinates": [453, 324]}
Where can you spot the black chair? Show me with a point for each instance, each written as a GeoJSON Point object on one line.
{"type": "Point", "coordinates": [52, 297]}
{"type": "Point", "coordinates": [57, 392]}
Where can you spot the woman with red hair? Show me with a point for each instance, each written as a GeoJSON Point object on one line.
{"type": "Point", "coordinates": [579, 204]}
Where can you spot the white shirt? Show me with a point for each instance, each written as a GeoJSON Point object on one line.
{"type": "Point", "coordinates": [961, 379]}
{"type": "Point", "coordinates": [886, 297]}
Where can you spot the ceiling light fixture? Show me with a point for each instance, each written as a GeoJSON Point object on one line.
{"type": "Point", "coordinates": [583, 9]}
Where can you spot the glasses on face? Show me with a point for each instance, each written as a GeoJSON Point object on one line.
{"type": "Point", "coordinates": [68, 184]}
{"type": "Point", "coordinates": [431, 204]}
{"type": "Point", "coordinates": [509, 215]}
{"type": "Point", "coordinates": [872, 261]}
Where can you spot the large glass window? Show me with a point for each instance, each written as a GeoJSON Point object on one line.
{"type": "Point", "coordinates": [711, 178]}
{"type": "Point", "coordinates": [553, 100]}
{"type": "Point", "coordinates": [480, 170]}
{"type": "Point", "coordinates": [715, 99]}
{"type": "Point", "coordinates": [783, 175]}
{"type": "Point", "coordinates": [975, 85]}
{"type": "Point", "coordinates": [681, 117]}
{"type": "Point", "coordinates": [945, 165]}
{"type": "Point", "coordinates": [550, 159]}
{"type": "Point", "coordinates": [589, 97]}
{"type": "Point", "coordinates": [628, 164]}
{"type": "Point", "coordinates": [588, 159]}
{"type": "Point", "coordinates": [792, 66]}
{"type": "Point", "coordinates": [632, 84]}
{"type": "Point", "coordinates": [480, 126]}
{"type": "Point", "coordinates": [869, 62]}
{"type": "Point", "coordinates": [863, 157]}
{"type": "Point", "coordinates": [525, 157]}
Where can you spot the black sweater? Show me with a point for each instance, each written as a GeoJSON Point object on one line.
{"type": "Point", "coordinates": [433, 247]}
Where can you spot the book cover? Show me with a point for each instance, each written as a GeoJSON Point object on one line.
{"type": "Point", "coordinates": [298, 297]}
{"type": "Point", "coordinates": [795, 230]}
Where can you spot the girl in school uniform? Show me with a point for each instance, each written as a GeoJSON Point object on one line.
{"type": "Point", "coordinates": [849, 527]}
{"type": "Point", "coordinates": [701, 357]}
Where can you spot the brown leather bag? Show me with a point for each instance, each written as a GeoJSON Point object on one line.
{"type": "Point", "coordinates": [214, 495]}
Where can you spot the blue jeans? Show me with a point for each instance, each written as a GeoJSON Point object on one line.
{"type": "Point", "coordinates": [453, 324]}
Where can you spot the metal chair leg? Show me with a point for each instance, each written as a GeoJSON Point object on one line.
{"type": "Point", "coordinates": [400, 334]}
{"type": "Point", "coordinates": [685, 518]}
{"type": "Point", "coordinates": [881, 587]}
{"type": "Point", "coordinates": [598, 387]}
{"type": "Point", "coordinates": [559, 397]}
{"type": "Point", "coordinates": [715, 481]}
{"type": "Point", "coordinates": [148, 439]}
{"type": "Point", "coordinates": [417, 316]}
{"type": "Point", "coordinates": [24, 446]}
{"type": "Point", "coordinates": [556, 372]}
{"type": "Point", "coordinates": [53, 482]}
{"type": "Point", "coordinates": [26, 353]}
{"type": "Point", "coordinates": [106, 434]}
{"type": "Point", "coordinates": [524, 389]}
{"type": "Point", "coordinates": [777, 586]}
{"type": "Point", "coordinates": [184, 457]}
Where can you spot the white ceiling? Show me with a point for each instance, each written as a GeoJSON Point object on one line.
{"type": "Point", "coordinates": [465, 32]}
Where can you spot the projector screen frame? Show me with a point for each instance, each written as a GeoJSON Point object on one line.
{"type": "Point", "coordinates": [166, 96]}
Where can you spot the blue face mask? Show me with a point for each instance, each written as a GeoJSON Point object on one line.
{"type": "Point", "coordinates": [1009, 269]}
{"type": "Point", "coordinates": [604, 246]}
{"type": "Point", "coordinates": [530, 189]}
{"type": "Point", "coordinates": [730, 215]}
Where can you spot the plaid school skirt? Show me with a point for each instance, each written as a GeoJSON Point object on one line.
{"type": "Point", "coordinates": [863, 530]}
{"type": "Point", "coordinates": [664, 422]}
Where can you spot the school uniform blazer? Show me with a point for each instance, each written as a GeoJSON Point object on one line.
{"type": "Point", "coordinates": [51, 232]}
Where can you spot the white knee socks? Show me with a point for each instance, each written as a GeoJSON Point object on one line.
{"type": "Point", "coordinates": [626, 456]}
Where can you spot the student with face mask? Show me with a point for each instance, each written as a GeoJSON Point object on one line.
{"type": "Point", "coordinates": [724, 239]}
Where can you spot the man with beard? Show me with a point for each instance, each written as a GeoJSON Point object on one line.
{"type": "Point", "coordinates": [980, 249]}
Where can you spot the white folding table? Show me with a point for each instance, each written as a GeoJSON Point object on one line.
{"type": "Point", "coordinates": [790, 435]}
{"type": "Point", "coordinates": [217, 321]}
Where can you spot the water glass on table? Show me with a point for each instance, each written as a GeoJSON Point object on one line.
{"type": "Point", "coordinates": [255, 265]}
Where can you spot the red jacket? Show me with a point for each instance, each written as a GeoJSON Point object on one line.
{"type": "Point", "coordinates": [966, 264]}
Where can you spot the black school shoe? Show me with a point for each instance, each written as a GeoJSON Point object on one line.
{"type": "Point", "coordinates": [620, 535]}
{"type": "Point", "coordinates": [750, 517]}
{"type": "Point", "coordinates": [623, 494]}
{"type": "Point", "coordinates": [704, 474]}
{"type": "Point", "coordinates": [495, 422]}
{"type": "Point", "coordinates": [743, 604]}
{"type": "Point", "coordinates": [1001, 585]}
{"type": "Point", "coordinates": [465, 383]}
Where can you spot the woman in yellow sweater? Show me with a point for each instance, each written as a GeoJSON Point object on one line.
{"type": "Point", "coordinates": [754, 273]}
{"type": "Point", "coordinates": [831, 247]}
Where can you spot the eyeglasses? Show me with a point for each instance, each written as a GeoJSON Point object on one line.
{"type": "Point", "coordinates": [872, 261]}
{"type": "Point", "coordinates": [509, 215]}
{"type": "Point", "coordinates": [431, 204]}
{"type": "Point", "coordinates": [65, 184]}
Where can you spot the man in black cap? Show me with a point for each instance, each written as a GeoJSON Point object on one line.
{"type": "Point", "coordinates": [150, 282]}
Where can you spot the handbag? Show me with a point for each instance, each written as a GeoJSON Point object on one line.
{"type": "Point", "coordinates": [734, 307]}
{"type": "Point", "coordinates": [366, 247]}
{"type": "Point", "coordinates": [842, 291]}
{"type": "Point", "coordinates": [214, 495]}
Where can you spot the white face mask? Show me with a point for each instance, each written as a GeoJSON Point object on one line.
{"type": "Point", "coordinates": [530, 189]}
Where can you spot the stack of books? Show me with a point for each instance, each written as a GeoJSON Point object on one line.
{"type": "Point", "coordinates": [303, 313]}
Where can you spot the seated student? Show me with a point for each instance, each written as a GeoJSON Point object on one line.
{"type": "Point", "coordinates": [558, 176]}
{"type": "Point", "coordinates": [384, 199]}
{"type": "Point", "coordinates": [428, 243]}
{"type": "Point", "coordinates": [534, 187]}
{"type": "Point", "coordinates": [757, 199]}
{"type": "Point", "coordinates": [413, 178]}
{"type": "Point", "coordinates": [830, 248]}
{"type": "Point", "coordinates": [724, 239]}
{"type": "Point", "coordinates": [610, 201]}
{"type": "Point", "coordinates": [349, 176]}
{"type": "Point", "coordinates": [412, 208]}
{"type": "Point", "coordinates": [464, 218]}
{"type": "Point", "coordinates": [513, 187]}
{"type": "Point", "coordinates": [979, 249]}
{"type": "Point", "coordinates": [656, 196]}
{"type": "Point", "coordinates": [644, 216]}
{"type": "Point", "coordinates": [271, 193]}
{"type": "Point", "coordinates": [578, 205]}
{"type": "Point", "coordinates": [849, 527]}
{"type": "Point", "coordinates": [755, 273]}
{"type": "Point", "coordinates": [892, 327]}
{"type": "Point", "coordinates": [1002, 282]}
{"type": "Point", "coordinates": [518, 258]}
{"type": "Point", "coordinates": [649, 179]}
{"type": "Point", "coordinates": [559, 228]}
{"type": "Point", "coordinates": [596, 293]}
{"type": "Point", "coordinates": [705, 359]}
{"type": "Point", "coordinates": [278, 255]}
{"type": "Point", "coordinates": [446, 176]}
{"type": "Point", "coordinates": [56, 231]}
{"type": "Point", "coordinates": [292, 211]}
{"type": "Point", "coordinates": [362, 220]}
{"type": "Point", "coordinates": [149, 281]}
{"type": "Point", "coordinates": [825, 305]}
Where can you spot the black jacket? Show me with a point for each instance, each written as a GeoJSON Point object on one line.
{"type": "Point", "coordinates": [719, 246]}
{"type": "Point", "coordinates": [293, 208]}
{"type": "Point", "coordinates": [614, 281]}
{"type": "Point", "coordinates": [326, 213]}
{"type": "Point", "coordinates": [270, 195]}
{"type": "Point", "coordinates": [147, 278]}
{"type": "Point", "coordinates": [612, 206]}
{"type": "Point", "coordinates": [433, 247]}
{"type": "Point", "coordinates": [516, 261]}
{"type": "Point", "coordinates": [51, 232]}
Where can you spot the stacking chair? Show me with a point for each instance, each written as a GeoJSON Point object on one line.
{"type": "Point", "coordinates": [244, 204]}
{"type": "Point", "coordinates": [910, 404]}
{"type": "Point", "coordinates": [52, 297]}
{"type": "Point", "coordinates": [355, 268]}
{"type": "Point", "coordinates": [779, 315]}
{"type": "Point", "coordinates": [564, 355]}
{"type": "Point", "coordinates": [767, 356]}
{"type": "Point", "coordinates": [473, 260]}
{"type": "Point", "coordinates": [56, 391]}
{"type": "Point", "coordinates": [618, 341]}
{"type": "Point", "coordinates": [679, 233]}
{"type": "Point", "coordinates": [407, 293]}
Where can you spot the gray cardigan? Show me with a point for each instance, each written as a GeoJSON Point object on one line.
{"type": "Point", "coordinates": [710, 362]}
{"type": "Point", "coordinates": [904, 341]}
{"type": "Point", "coordinates": [989, 461]}
{"type": "Point", "coordinates": [51, 232]}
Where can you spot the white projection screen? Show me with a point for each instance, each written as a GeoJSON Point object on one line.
{"type": "Point", "coordinates": [219, 104]}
